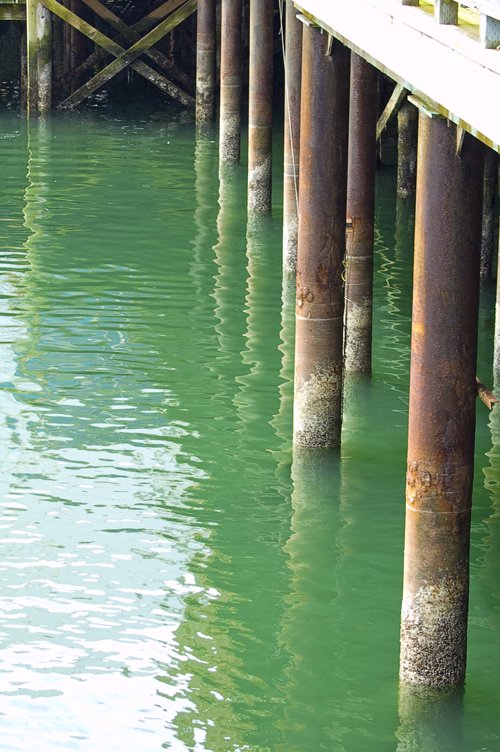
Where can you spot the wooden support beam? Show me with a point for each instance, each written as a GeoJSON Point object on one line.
{"type": "Point", "coordinates": [99, 56]}
{"type": "Point", "coordinates": [44, 58]}
{"type": "Point", "coordinates": [446, 11]}
{"type": "Point", "coordinates": [127, 33]}
{"type": "Point", "coordinates": [32, 57]}
{"type": "Point", "coordinates": [123, 57]}
{"type": "Point", "coordinates": [12, 12]}
{"type": "Point", "coordinates": [130, 55]}
{"type": "Point", "coordinates": [485, 394]}
{"type": "Point", "coordinates": [489, 31]}
{"type": "Point", "coordinates": [391, 108]}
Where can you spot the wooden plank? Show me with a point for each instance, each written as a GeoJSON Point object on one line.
{"type": "Point", "coordinates": [130, 55]}
{"type": "Point", "coordinates": [12, 12]}
{"type": "Point", "coordinates": [391, 108]}
{"type": "Point", "coordinates": [440, 64]}
{"type": "Point", "coordinates": [115, 49]}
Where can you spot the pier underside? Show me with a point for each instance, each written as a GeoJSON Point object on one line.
{"type": "Point", "coordinates": [445, 65]}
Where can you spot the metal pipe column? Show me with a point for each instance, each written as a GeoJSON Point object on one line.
{"type": "Point", "coordinates": [321, 241]}
{"type": "Point", "coordinates": [360, 216]}
{"type": "Point", "coordinates": [488, 225]}
{"type": "Point", "coordinates": [291, 151]}
{"type": "Point", "coordinates": [260, 107]}
{"type": "Point", "coordinates": [205, 61]}
{"type": "Point", "coordinates": [442, 406]}
{"type": "Point", "coordinates": [407, 150]}
{"type": "Point", "coordinates": [230, 81]}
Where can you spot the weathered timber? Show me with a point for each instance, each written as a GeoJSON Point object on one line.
{"type": "Point", "coordinates": [44, 58]}
{"type": "Point", "coordinates": [485, 394]}
{"type": "Point", "coordinates": [123, 57]}
{"type": "Point", "coordinates": [260, 107]}
{"type": "Point", "coordinates": [391, 108]}
{"type": "Point", "coordinates": [99, 56]}
{"type": "Point", "coordinates": [446, 11]}
{"type": "Point", "coordinates": [12, 12]}
{"type": "Point", "coordinates": [32, 56]}
{"type": "Point", "coordinates": [442, 407]}
{"type": "Point", "coordinates": [291, 150]}
{"type": "Point", "coordinates": [129, 34]}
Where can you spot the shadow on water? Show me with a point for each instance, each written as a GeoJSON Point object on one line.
{"type": "Point", "coordinates": [430, 720]}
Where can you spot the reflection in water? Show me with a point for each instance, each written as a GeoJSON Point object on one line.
{"type": "Point", "coordinates": [430, 720]}
{"type": "Point", "coordinates": [88, 618]}
{"type": "Point", "coordinates": [282, 421]}
{"type": "Point", "coordinates": [160, 587]}
{"type": "Point", "coordinates": [392, 297]}
{"type": "Point", "coordinates": [309, 622]}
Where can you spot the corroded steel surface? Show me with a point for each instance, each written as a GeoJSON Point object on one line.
{"type": "Point", "coordinates": [291, 151]}
{"type": "Point", "coordinates": [321, 241]}
{"type": "Point", "coordinates": [407, 150]}
{"type": "Point", "coordinates": [260, 106]}
{"type": "Point", "coordinates": [230, 81]}
{"type": "Point", "coordinates": [442, 406]}
{"type": "Point", "coordinates": [360, 216]}
{"type": "Point", "coordinates": [205, 61]}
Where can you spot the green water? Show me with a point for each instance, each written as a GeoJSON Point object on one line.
{"type": "Point", "coordinates": [169, 578]}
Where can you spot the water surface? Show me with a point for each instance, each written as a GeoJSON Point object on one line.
{"type": "Point", "coordinates": [169, 577]}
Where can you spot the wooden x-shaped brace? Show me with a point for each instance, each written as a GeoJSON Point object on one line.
{"type": "Point", "coordinates": [128, 57]}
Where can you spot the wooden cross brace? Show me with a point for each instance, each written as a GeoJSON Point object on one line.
{"type": "Point", "coordinates": [127, 57]}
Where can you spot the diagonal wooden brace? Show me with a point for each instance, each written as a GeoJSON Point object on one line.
{"type": "Point", "coordinates": [144, 24]}
{"type": "Point", "coordinates": [124, 57]}
{"type": "Point", "coordinates": [127, 33]}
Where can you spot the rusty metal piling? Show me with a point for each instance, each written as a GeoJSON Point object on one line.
{"type": "Point", "coordinates": [360, 216]}
{"type": "Point", "coordinates": [321, 241]}
{"type": "Point", "coordinates": [230, 82]}
{"type": "Point", "coordinates": [293, 66]}
{"type": "Point", "coordinates": [488, 225]}
{"type": "Point", "coordinates": [407, 150]}
{"type": "Point", "coordinates": [442, 406]}
{"type": "Point", "coordinates": [205, 61]}
{"type": "Point", "coordinates": [260, 110]}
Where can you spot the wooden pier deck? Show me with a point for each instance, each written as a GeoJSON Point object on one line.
{"type": "Point", "coordinates": [445, 66]}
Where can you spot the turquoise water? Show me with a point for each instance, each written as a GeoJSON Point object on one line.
{"type": "Point", "coordinates": [171, 577]}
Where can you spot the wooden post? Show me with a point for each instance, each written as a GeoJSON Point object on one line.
{"type": "Point", "coordinates": [32, 56]}
{"type": "Point", "coordinates": [24, 70]}
{"type": "Point", "coordinates": [230, 82]}
{"type": "Point", "coordinates": [291, 152]}
{"type": "Point", "coordinates": [360, 216]}
{"type": "Point", "coordinates": [407, 150]}
{"type": "Point", "coordinates": [44, 63]}
{"type": "Point", "coordinates": [321, 241]}
{"type": "Point", "coordinates": [260, 112]}
{"type": "Point", "coordinates": [442, 406]}
{"type": "Point", "coordinates": [446, 11]}
{"type": "Point", "coordinates": [205, 61]}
